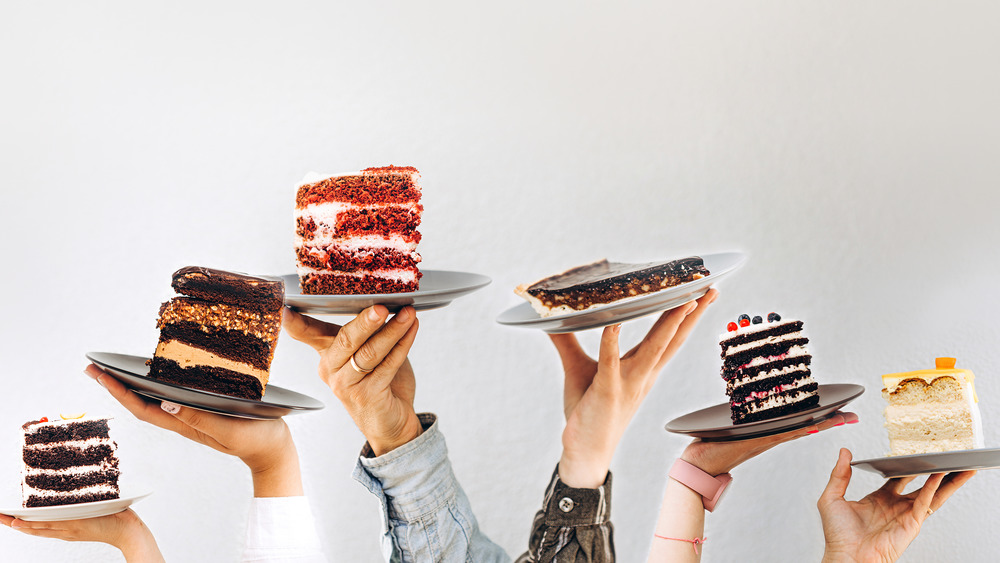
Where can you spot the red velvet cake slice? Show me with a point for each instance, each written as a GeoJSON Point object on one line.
{"type": "Point", "coordinates": [220, 337]}
{"type": "Point", "coordinates": [357, 233]}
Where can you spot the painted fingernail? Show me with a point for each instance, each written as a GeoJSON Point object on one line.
{"type": "Point", "coordinates": [403, 316]}
{"type": "Point", "coordinates": [812, 431]}
{"type": "Point", "coordinates": [170, 407]}
{"type": "Point", "coordinates": [854, 420]}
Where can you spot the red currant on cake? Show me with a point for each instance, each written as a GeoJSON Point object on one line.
{"type": "Point", "coordinates": [744, 320]}
{"type": "Point", "coordinates": [731, 327]}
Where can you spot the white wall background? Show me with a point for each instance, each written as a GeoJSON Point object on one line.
{"type": "Point", "coordinates": [852, 148]}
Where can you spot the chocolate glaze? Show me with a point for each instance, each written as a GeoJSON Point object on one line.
{"type": "Point", "coordinates": [604, 274]}
{"type": "Point", "coordinates": [233, 288]}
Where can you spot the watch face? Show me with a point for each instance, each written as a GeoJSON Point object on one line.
{"type": "Point", "coordinates": [724, 480]}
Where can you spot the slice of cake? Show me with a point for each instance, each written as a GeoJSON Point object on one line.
{"type": "Point", "coordinates": [357, 233]}
{"type": "Point", "coordinates": [68, 461]}
{"type": "Point", "coordinates": [221, 336]}
{"type": "Point", "coordinates": [932, 410]}
{"type": "Point", "coordinates": [766, 368]}
{"type": "Point", "coordinates": [603, 282]}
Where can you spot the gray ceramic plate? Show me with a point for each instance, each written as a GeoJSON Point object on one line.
{"type": "Point", "coordinates": [720, 265]}
{"type": "Point", "coordinates": [132, 371]}
{"type": "Point", "coordinates": [923, 464]}
{"type": "Point", "coordinates": [73, 511]}
{"type": "Point", "coordinates": [437, 289]}
{"type": "Point", "coordinates": [715, 424]}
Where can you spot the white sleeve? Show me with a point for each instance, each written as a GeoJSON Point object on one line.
{"type": "Point", "coordinates": [282, 530]}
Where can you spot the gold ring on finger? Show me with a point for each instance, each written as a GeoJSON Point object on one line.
{"type": "Point", "coordinates": [358, 369]}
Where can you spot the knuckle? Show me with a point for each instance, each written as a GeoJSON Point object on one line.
{"type": "Point", "coordinates": [366, 354]}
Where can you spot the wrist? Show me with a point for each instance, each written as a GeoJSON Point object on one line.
{"type": "Point", "coordinates": [278, 475]}
{"type": "Point", "coordinates": [708, 465]}
{"type": "Point", "coordinates": [136, 541]}
{"type": "Point", "coordinates": [586, 474]}
{"type": "Point", "coordinates": [410, 430]}
{"type": "Point", "coordinates": [831, 555]}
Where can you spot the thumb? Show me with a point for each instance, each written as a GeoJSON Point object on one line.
{"type": "Point", "coordinates": [840, 478]}
{"type": "Point", "coordinates": [314, 332]}
{"type": "Point", "coordinates": [569, 348]}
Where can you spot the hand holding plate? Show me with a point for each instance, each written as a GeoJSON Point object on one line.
{"type": "Point", "coordinates": [365, 364]}
{"type": "Point", "coordinates": [124, 530]}
{"type": "Point", "coordinates": [880, 526]}
{"type": "Point", "coordinates": [265, 446]}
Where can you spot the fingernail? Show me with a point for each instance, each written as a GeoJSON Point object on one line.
{"type": "Point", "coordinates": [839, 424]}
{"type": "Point", "coordinates": [14, 525]}
{"type": "Point", "coordinates": [100, 381]}
{"type": "Point", "coordinates": [373, 314]}
{"type": "Point", "coordinates": [812, 431]}
{"type": "Point", "coordinates": [854, 420]}
{"type": "Point", "coordinates": [712, 298]}
{"type": "Point", "coordinates": [87, 373]}
{"type": "Point", "coordinates": [691, 307]}
{"type": "Point", "coordinates": [617, 328]}
{"type": "Point", "coordinates": [170, 407]}
{"type": "Point", "coordinates": [403, 315]}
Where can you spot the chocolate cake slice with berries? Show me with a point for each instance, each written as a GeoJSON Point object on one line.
{"type": "Point", "coordinates": [766, 368]}
{"type": "Point", "coordinates": [603, 283]}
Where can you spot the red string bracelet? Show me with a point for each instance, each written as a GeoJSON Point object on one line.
{"type": "Point", "coordinates": [694, 543]}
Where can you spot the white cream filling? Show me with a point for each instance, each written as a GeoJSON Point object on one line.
{"type": "Point", "coordinates": [769, 374]}
{"type": "Point", "coordinates": [68, 471]}
{"type": "Point", "coordinates": [353, 244]}
{"type": "Point", "coordinates": [793, 352]}
{"type": "Point", "coordinates": [81, 444]}
{"type": "Point", "coordinates": [399, 275]}
{"type": "Point", "coordinates": [32, 491]}
{"type": "Point", "coordinates": [779, 400]}
{"type": "Point", "coordinates": [784, 387]}
{"type": "Point", "coordinates": [752, 328]}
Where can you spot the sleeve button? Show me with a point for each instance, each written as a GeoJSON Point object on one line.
{"type": "Point", "coordinates": [566, 504]}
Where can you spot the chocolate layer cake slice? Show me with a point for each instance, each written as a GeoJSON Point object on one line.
{"type": "Point", "coordinates": [67, 462]}
{"type": "Point", "coordinates": [603, 282]}
{"type": "Point", "coordinates": [222, 334]}
{"type": "Point", "coordinates": [766, 368]}
{"type": "Point", "coordinates": [356, 233]}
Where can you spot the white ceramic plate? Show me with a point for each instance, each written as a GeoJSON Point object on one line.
{"type": "Point", "coordinates": [715, 423]}
{"type": "Point", "coordinates": [720, 265]}
{"type": "Point", "coordinates": [923, 464]}
{"type": "Point", "coordinates": [74, 511]}
{"type": "Point", "coordinates": [132, 371]}
{"type": "Point", "coordinates": [438, 288]}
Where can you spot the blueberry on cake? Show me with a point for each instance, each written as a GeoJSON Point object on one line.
{"type": "Point", "coordinates": [68, 461]}
{"type": "Point", "coordinates": [220, 335]}
{"type": "Point", "coordinates": [356, 233]}
{"type": "Point", "coordinates": [932, 410]}
{"type": "Point", "coordinates": [603, 282]}
{"type": "Point", "coordinates": [766, 368]}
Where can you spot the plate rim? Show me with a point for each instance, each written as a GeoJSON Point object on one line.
{"type": "Point", "coordinates": [871, 464]}
{"type": "Point", "coordinates": [34, 511]}
{"type": "Point", "coordinates": [240, 400]}
{"type": "Point", "coordinates": [698, 432]}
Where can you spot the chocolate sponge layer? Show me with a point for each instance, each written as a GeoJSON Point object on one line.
{"type": "Point", "coordinates": [216, 380]}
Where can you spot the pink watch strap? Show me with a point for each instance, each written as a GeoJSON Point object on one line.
{"type": "Point", "coordinates": [709, 487]}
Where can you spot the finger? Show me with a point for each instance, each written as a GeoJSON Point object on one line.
{"type": "Point", "coordinates": [951, 483]}
{"type": "Point", "coordinates": [314, 332]}
{"type": "Point", "coordinates": [690, 321]}
{"type": "Point", "coordinates": [370, 354]}
{"type": "Point", "coordinates": [608, 361]}
{"type": "Point", "coordinates": [647, 354]}
{"type": "Point", "coordinates": [898, 485]}
{"type": "Point", "coordinates": [200, 426]}
{"type": "Point", "coordinates": [388, 367]}
{"type": "Point", "coordinates": [142, 409]}
{"type": "Point", "coordinates": [6, 520]}
{"type": "Point", "coordinates": [353, 335]}
{"type": "Point", "coordinates": [925, 495]}
{"type": "Point", "coordinates": [569, 349]}
{"type": "Point", "coordinates": [840, 478]}
{"type": "Point", "coordinates": [22, 525]}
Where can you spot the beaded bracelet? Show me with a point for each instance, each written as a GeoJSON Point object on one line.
{"type": "Point", "coordinates": [694, 543]}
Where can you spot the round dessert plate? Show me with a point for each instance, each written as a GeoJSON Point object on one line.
{"type": "Point", "coordinates": [715, 424]}
{"type": "Point", "coordinates": [73, 511]}
{"type": "Point", "coordinates": [939, 462]}
{"type": "Point", "coordinates": [133, 371]}
{"type": "Point", "coordinates": [438, 288]}
{"type": "Point", "coordinates": [721, 265]}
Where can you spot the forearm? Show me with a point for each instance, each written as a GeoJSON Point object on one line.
{"type": "Point", "coordinates": [140, 547]}
{"type": "Point", "coordinates": [682, 516]}
{"type": "Point", "coordinates": [278, 476]}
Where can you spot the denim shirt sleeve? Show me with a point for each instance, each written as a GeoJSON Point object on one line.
{"type": "Point", "coordinates": [425, 514]}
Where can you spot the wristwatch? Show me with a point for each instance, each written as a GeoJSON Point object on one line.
{"type": "Point", "coordinates": [711, 488]}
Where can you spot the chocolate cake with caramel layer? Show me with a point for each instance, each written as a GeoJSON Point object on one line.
{"type": "Point", "coordinates": [68, 461]}
{"type": "Point", "coordinates": [603, 282]}
{"type": "Point", "coordinates": [221, 336]}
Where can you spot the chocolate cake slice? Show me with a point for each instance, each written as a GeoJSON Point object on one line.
{"type": "Point", "coordinates": [603, 282]}
{"type": "Point", "coordinates": [68, 461]}
{"type": "Point", "coordinates": [222, 334]}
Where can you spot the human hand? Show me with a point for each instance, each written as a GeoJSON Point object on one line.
{"type": "Point", "coordinates": [601, 397]}
{"type": "Point", "coordinates": [879, 527]}
{"type": "Point", "coordinates": [380, 397]}
{"type": "Point", "coordinates": [716, 458]}
{"type": "Point", "coordinates": [265, 446]}
{"type": "Point", "coordinates": [124, 530]}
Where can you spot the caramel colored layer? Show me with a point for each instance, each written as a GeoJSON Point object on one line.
{"type": "Point", "coordinates": [265, 326]}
